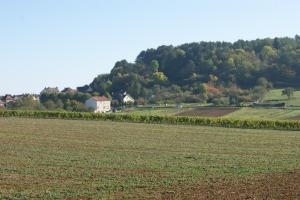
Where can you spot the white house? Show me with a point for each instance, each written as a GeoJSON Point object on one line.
{"type": "Point", "coordinates": [127, 99]}
{"type": "Point", "coordinates": [98, 104]}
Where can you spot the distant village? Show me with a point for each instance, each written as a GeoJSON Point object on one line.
{"type": "Point", "coordinates": [96, 104]}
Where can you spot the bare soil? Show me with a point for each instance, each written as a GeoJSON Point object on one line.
{"type": "Point", "coordinates": [295, 118]}
{"type": "Point", "coordinates": [264, 186]}
{"type": "Point", "coordinates": [208, 112]}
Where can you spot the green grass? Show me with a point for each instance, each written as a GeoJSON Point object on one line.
{"type": "Point", "coordinates": [275, 96]}
{"type": "Point", "coordinates": [57, 159]}
{"type": "Point", "coordinates": [264, 113]}
{"type": "Point", "coordinates": [271, 113]}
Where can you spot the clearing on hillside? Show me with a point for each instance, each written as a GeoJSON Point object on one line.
{"type": "Point", "coordinates": [65, 159]}
{"type": "Point", "coordinates": [275, 96]}
{"type": "Point", "coordinates": [208, 111]}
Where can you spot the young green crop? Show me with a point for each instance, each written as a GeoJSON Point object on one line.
{"type": "Point", "coordinates": [86, 159]}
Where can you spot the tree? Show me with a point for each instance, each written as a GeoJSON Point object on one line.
{"type": "Point", "coordinates": [160, 77]}
{"type": "Point", "coordinates": [201, 89]}
{"type": "Point", "coordinates": [259, 92]}
{"type": "Point", "coordinates": [289, 92]}
{"type": "Point", "coordinates": [262, 81]}
{"type": "Point", "coordinates": [135, 89]}
{"type": "Point", "coordinates": [213, 79]}
{"type": "Point", "coordinates": [49, 104]}
{"type": "Point", "coordinates": [26, 102]}
{"type": "Point", "coordinates": [268, 53]}
{"type": "Point", "coordinates": [155, 65]}
{"type": "Point", "coordinates": [241, 63]}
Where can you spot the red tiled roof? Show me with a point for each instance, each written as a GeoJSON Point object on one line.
{"type": "Point", "coordinates": [7, 98]}
{"type": "Point", "coordinates": [101, 98]}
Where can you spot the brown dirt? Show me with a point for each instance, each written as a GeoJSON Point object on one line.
{"type": "Point", "coordinates": [208, 112]}
{"type": "Point", "coordinates": [265, 186]}
{"type": "Point", "coordinates": [295, 118]}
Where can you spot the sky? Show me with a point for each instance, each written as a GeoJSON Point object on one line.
{"type": "Point", "coordinates": [67, 43]}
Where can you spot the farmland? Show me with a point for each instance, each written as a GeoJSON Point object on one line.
{"type": "Point", "coordinates": [155, 111]}
{"type": "Point", "coordinates": [208, 111]}
{"type": "Point", "coordinates": [257, 113]}
{"type": "Point", "coordinates": [224, 112]}
{"type": "Point", "coordinates": [73, 159]}
{"type": "Point", "coordinates": [264, 113]}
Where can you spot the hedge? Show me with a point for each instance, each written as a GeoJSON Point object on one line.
{"type": "Point", "coordinates": [216, 122]}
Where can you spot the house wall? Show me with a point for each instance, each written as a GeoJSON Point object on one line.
{"type": "Point", "coordinates": [98, 106]}
{"type": "Point", "coordinates": [103, 106]}
{"type": "Point", "coordinates": [128, 99]}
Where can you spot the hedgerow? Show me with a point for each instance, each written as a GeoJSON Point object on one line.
{"type": "Point", "coordinates": [216, 122]}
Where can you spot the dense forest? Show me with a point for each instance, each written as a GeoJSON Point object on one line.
{"type": "Point", "coordinates": [205, 71]}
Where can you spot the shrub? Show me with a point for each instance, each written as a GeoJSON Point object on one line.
{"type": "Point", "coordinates": [217, 122]}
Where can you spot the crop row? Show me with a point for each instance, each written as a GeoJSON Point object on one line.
{"type": "Point", "coordinates": [216, 122]}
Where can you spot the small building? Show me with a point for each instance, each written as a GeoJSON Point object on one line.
{"type": "Point", "coordinates": [98, 104]}
{"type": "Point", "coordinates": [36, 97]}
{"type": "Point", "coordinates": [123, 98]}
{"type": "Point", "coordinates": [2, 104]}
{"type": "Point", "coordinates": [8, 98]}
{"type": "Point", "coordinates": [49, 90]}
{"type": "Point", "coordinates": [127, 99]}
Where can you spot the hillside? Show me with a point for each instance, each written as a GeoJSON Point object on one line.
{"type": "Point", "coordinates": [198, 72]}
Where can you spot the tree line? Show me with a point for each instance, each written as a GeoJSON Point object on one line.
{"type": "Point", "coordinates": [218, 72]}
{"type": "Point", "coordinates": [221, 73]}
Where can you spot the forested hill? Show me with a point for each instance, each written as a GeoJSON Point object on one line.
{"type": "Point", "coordinates": [182, 70]}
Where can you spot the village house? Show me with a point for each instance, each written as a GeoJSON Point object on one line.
{"type": "Point", "coordinates": [98, 104]}
{"type": "Point", "coordinates": [2, 104]}
{"type": "Point", "coordinates": [49, 90]}
{"type": "Point", "coordinates": [127, 99]}
{"type": "Point", "coordinates": [8, 99]}
{"type": "Point", "coordinates": [36, 97]}
{"type": "Point", "coordinates": [123, 98]}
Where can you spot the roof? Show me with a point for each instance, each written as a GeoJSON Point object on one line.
{"type": "Point", "coordinates": [100, 98]}
{"type": "Point", "coordinates": [127, 95]}
{"type": "Point", "coordinates": [70, 90]}
{"type": "Point", "coordinates": [50, 90]}
{"type": "Point", "coordinates": [7, 98]}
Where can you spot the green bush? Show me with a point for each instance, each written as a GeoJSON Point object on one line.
{"type": "Point", "coordinates": [217, 122]}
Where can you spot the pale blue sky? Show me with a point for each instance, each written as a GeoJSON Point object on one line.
{"type": "Point", "coordinates": [66, 43]}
